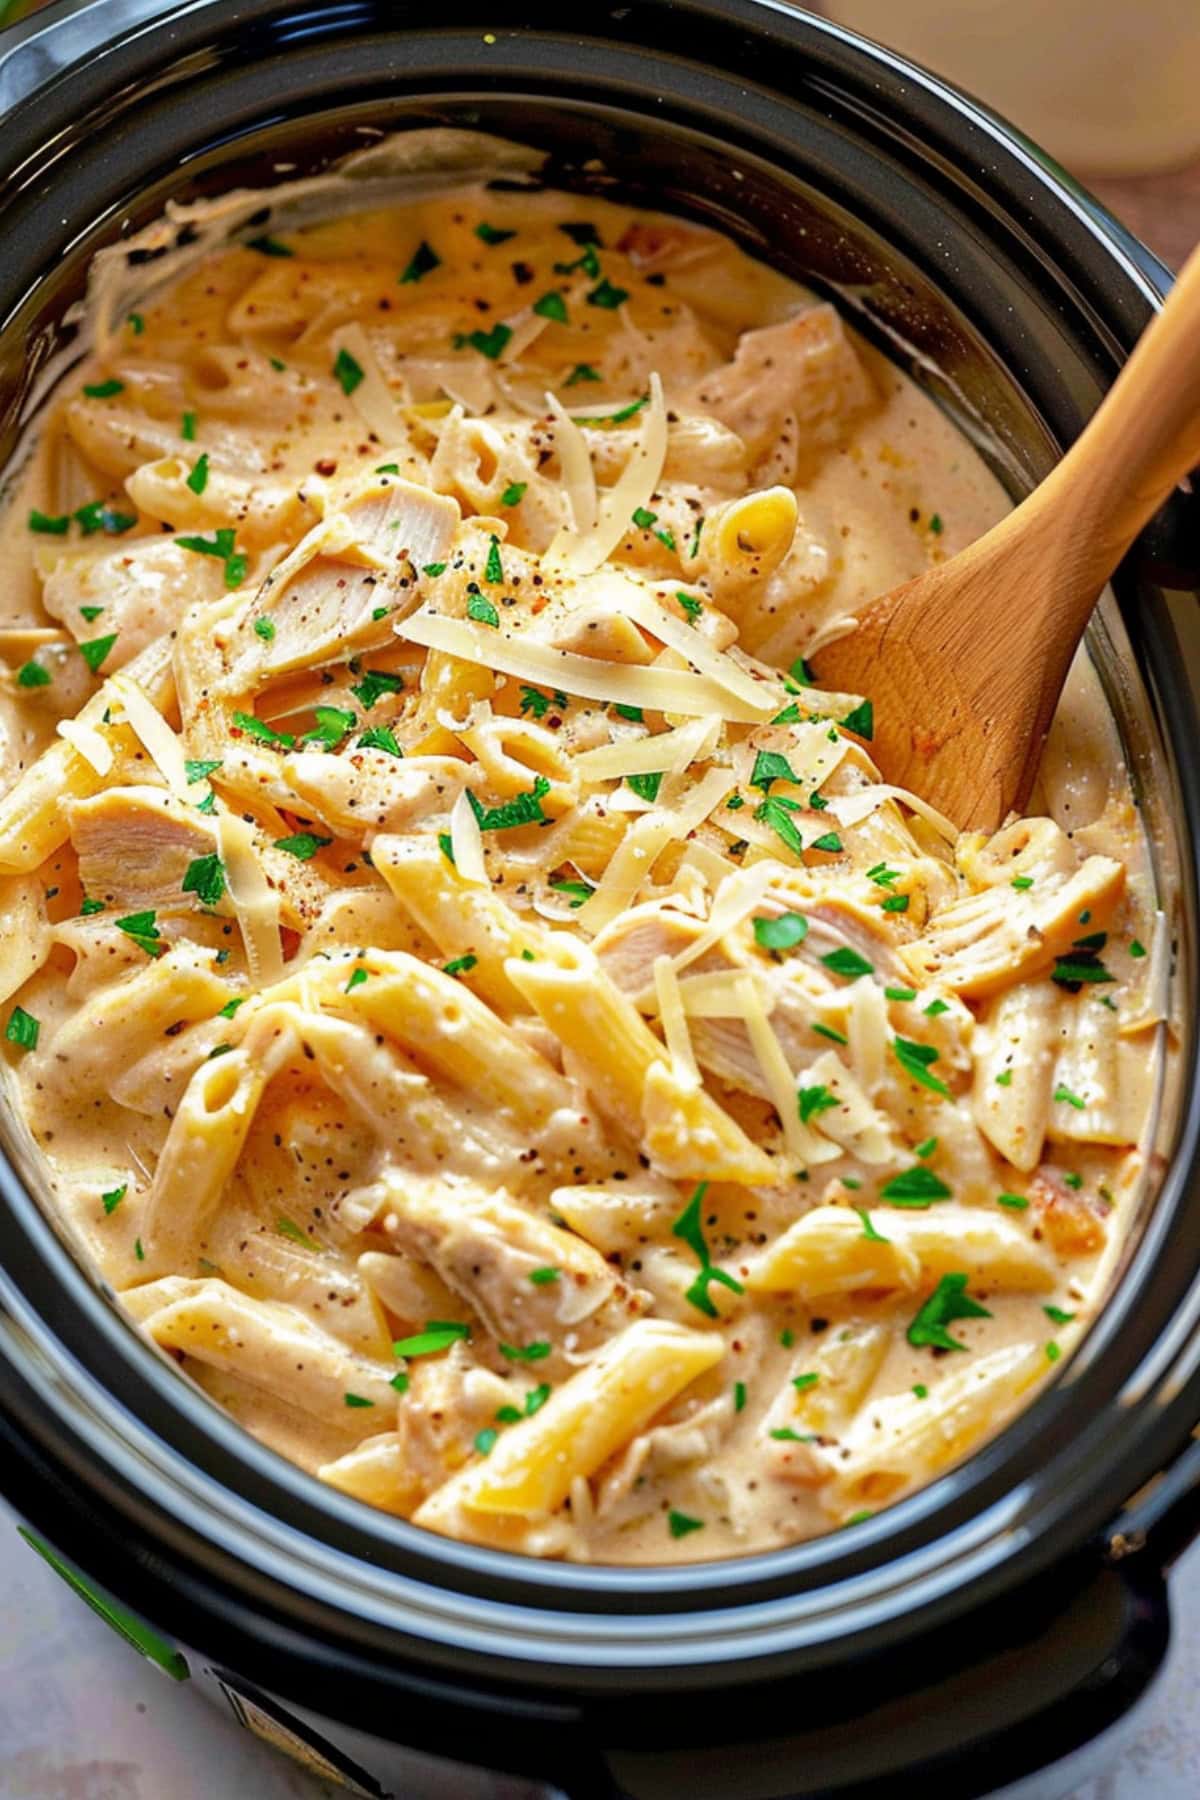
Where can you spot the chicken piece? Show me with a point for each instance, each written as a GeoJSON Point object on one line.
{"type": "Point", "coordinates": [135, 844]}
{"type": "Point", "coordinates": [447, 1403]}
{"type": "Point", "coordinates": [1069, 1222]}
{"type": "Point", "coordinates": [806, 366]}
{"type": "Point", "coordinates": [143, 588]}
{"type": "Point", "coordinates": [322, 599]}
{"type": "Point", "coordinates": [499, 1258]}
{"type": "Point", "coordinates": [364, 790]}
{"type": "Point", "coordinates": [989, 940]}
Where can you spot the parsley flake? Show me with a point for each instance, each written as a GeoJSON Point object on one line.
{"type": "Point", "coordinates": [22, 1029]}
{"type": "Point", "coordinates": [303, 845]}
{"type": "Point", "coordinates": [347, 372]}
{"type": "Point", "coordinates": [422, 262]}
{"type": "Point", "coordinates": [949, 1301]}
{"type": "Point", "coordinates": [783, 933]}
{"type": "Point", "coordinates": [205, 877]}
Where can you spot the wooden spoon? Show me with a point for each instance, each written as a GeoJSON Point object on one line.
{"type": "Point", "coordinates": [965, 663]}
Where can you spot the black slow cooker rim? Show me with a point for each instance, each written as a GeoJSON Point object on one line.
{"type": "Point", "coordinates": [983, 1550]}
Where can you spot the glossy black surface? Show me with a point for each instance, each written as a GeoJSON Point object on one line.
{"type": "Point", "coordinates": [946, 239]}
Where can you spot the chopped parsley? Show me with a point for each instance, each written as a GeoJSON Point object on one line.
{"type": "Point", "coordinates": [679, 1524]}
{"type": "Point", "coordinates": [739, 1396]}
{"type": "Point", "coordinates": [691, 606]}
{"type": "Point", "coordinates": [1136, 948]}
{"type": "Point", "coordinates": [776, 811]}
{"type": "Point", "coordinates": [95, 651]}
{"type": "Point", "coordinates": [333, 724]}
{"type": "Point", "coordinates": [142, 928]}
{"type": "Point", "coordinates": [948, 1301]}
{"type": "Point", "coordinates": [538, 1351]}
{"type": "Point", "coordinates": [935, 524]}
{"type": "Point", "coordinates": [580, 891]}
{"type": "Point", "coordinates": [899, 993]}
{"type": "Point", "coordinates": [357, 1400]}
{"type": "Point", "coordinates": [95, 516]}
{"type": "Point", "coordinates": [56, 525]}
{"type": "Point", "coordinates": [261, 732]}
{"type": "Point", "coordinates": [1064, 1097]}
{"type": "Point", "coordinates": [1004, 1079]}
{"type": "Point", "coordinates": [460, 965]}
{"type": "Point", "coordinates": [926, 1148]}
{"type": "Point", "coordinates": [493, 571]}
{"type": "Point", "coordinates": [514, 493]}
{"type": "Point", "coordinates": [22, 1029]}
{"type": "Point", "coordinates": [861, 721]}
{"type": "Point", "coordinates": [33, 675]}
{"type": "Point", "coordinates": [488, 343]}
{"type": "Point", "coordinates": [492, 234]}
{"type": "Point", "coordinates": [783, 933]}
{"type": "Point", "coordinates": [803, 1382]}
{"type": "Point", "coordinates": [770, 766]}
{"type": "Point", "coordinates": [303, 845]}
{"type": "Point", "coordinates": [269, 246]}
{"type": "Point", "coordinates": [438, 1335]}
{"type": "Point", "coordinates": [205, 878]}
{"type": "Point", "coordinates": [485, 1440]}
{"type": "Point", "coordinates": [534, 701]}
{"type": "Point", "coordinates": [1016, 1202]}
{"type": "Point", "coordinates": [422, 262]}
{"type": "Point", "coordinates": [917, 1187]}
{"type": "Point", "coordinates": [482, 611]}
{"type": "Point", "coordinates": [90, 613]}
{"type": "Point", "coordinates": [1052, 1351]}
{"type": "Point", "coordinates": [848, 962]}
{"type": "Point", "coordinates": [104, 390]}
{"type": "Point", "coordinates": [380, 737]}
{"type": "Point", "coordinates": [1057, 1316]}
{"type": "Point", "coordinates": [606, 295]}
{"type": "Point", "coordinates": [827, 1031]}
{"type": "Point", "coordinates": [784, 1434]}
{"type": "Point", "coordinates": [936, 1008]}
{"type": "Point", "coordinates": [582, 372]}
{"type": "Point", "coordinates": [694, 546]}
{"type": "Point", "coordinates": [1022, 883]}
{"type": "Point", "coordinates": [265, 629]}
{"type": "Point", "coordinates": [537, 1398]}
{"type": "Point", "coordinates": [198, 769]}
{"type": "Point", "coordinates": [136, 323]}
{"type": "Point", "coordinates": [347, 372]}
{"type": "Point", "coordinates": [915, 1059]}
{"type": "Point", "coordinates": [523, 809]}
{"type": "Point", "coordinates": [89, 907]}
{"type": "Point", "coordinates": [690, 1228]}
{"type": "Point", "coordinates": [357, 977]}
{"type": "Point", "coordinates": [230, 1007]}
{"type": "Point", "coordinates": [898, 903]}
{"type": "Point", "coordinates": [375, 682]}
{"type": "Point", "coordinates": [198, 478]}
{"type": "Point", "coordinates": [645, 786]}
{"type": "Point", "coordinates": [187, 427]}
{"type": "Point", "coordinates": [434, 569]}
{"type": "Point", "coordinates": [830, 842]}
{"type": "Point", "coordinates": [581, 232]}
{"type": "Point", "coordinates": [113, 1198]}
{"type": "Point", "coordinates": [551, 305]}
{"type": "Point", "coordinates": [813, 1100]}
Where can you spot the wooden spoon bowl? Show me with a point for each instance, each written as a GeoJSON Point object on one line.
{"type": "Point", "coordinates": [965, 663]}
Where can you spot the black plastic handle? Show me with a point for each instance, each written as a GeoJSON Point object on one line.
{"type": "Point", "coordinates": [1163, 1522]}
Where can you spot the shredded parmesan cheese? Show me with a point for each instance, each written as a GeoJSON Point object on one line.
{"type": "Point", "coordinates": [254, 900]}
{"type": "Point", "coordinates": [160, 743]}
{"type": "Point", "coordinates": [655, 689]}
{"type": "Point", "coordinates": [372, 398]}
{"type": "Point", "coordinates": [675, 1030]}
{"type": "Point", "coordinates": [669, 751]}
{"type": "Point", "coordinates": [802, 1142]}
{"type": "Point", "coordinates": [94, 748]}
{"type": "Point", "coordinates": [467, 842]}
{"type": "Point", "coordinates": [644, 842]}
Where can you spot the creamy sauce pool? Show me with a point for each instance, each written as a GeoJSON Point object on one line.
{"type": "Point", "coordinates": [276, 1209]}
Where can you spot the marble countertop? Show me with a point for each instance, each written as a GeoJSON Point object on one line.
{"type": "Point", "coordinates": [83, 1717]}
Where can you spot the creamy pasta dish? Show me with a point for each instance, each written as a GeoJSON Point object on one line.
{"type": "Point", "coordinates": [474, 998]}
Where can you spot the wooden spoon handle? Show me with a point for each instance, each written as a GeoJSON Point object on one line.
{"type": "Point", "coordinates": [1139, 445]}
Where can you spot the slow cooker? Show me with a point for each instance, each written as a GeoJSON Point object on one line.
{"type": "Point", "coordinates": [1004, 1619]}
